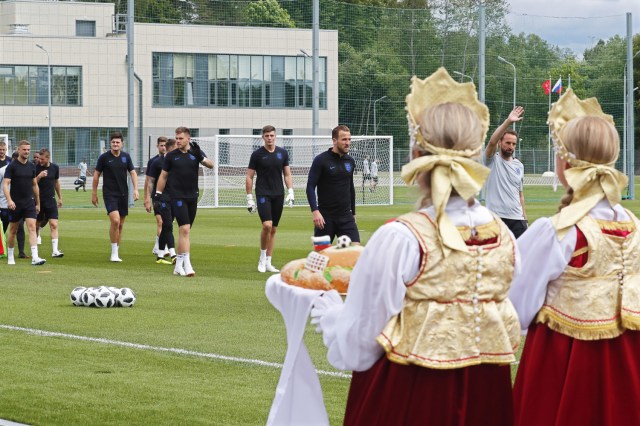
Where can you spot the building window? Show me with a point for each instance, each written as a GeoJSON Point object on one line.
{"type": "Point", "coordinates": [236, 81]}
{"type": "Point", "coordinates": [287, 132]}
{"type": "Point", "coordinates": [256, 132]}
{"type": "Point", "coordinates": [85, 28]}
{"type": "Point", "coordinates": [29, 85]}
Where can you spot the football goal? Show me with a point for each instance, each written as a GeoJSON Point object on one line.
{"type": "Point", "coordinates": [224, 185]}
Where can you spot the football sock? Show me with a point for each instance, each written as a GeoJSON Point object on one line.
{"type": "Point", "coordinates": [155, 247]}
{"type": "Point", "coordinates": [263, 254]}
{"type": "Point", "coordinates": [10, 252]}
{"type": "Point", "coordinates": [114, 249]}
{"type": "Point", "coordinates": [179, 261]}
{"type": "Point", "coordinates": [172, 251]}
{"type": "Point", "coordinates": [34, 252]}
{"type": "Point", "coordinates": [54, 244]}
{"type": "Point", "coordinates": [187, 261]}
{"type": "Point", "coordinates": [268, 258]}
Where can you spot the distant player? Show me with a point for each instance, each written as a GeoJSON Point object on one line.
{"type": "Point", "coordinates": [149, 190]}
{"type": "Point", "coordinates": [115, 164]}
{"type": "Point", "coordinates": [48, 178]}
{"type": "Point", "coordinates": [269, 162]}
{"type": "Point", "coordinates": [366, 170]}
{"type": "Point", "coordinates": [81, 182]}
{"type": "Point", "coordinates": [374, 175]}
{"type": "Point", "coordinates": [163, 208]}
{"type": "Point", "coordinates": [23, 200]}
{"type": "Point", "coordinates": [4, 159]}
{"type": "Point", "coordinates": [180, 171]}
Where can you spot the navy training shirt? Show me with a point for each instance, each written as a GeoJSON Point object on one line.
{"type": "Point", "coordinates": [154, 171]}
{"type": "Point", "coordinates": [183, 169]}
{"type": "Point", "coordinates": [332, 176]}
{"type": "Point", "coordinates": [114, 170]}
{"type": "Point", "coordinates": [269, 167]}
{"type": "Point", "coordinates": [151, 160]}
{"type": "Point", "coordinates": [47, 184]}
{"type": "Point", "coordinates": [21, 176]}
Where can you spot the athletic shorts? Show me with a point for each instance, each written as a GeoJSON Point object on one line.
{"type": "Point", "coordinates": [119, 203]}
{"type": "Point", "coordinates": [270, 208]}
{"type": "Point", "coordinates": [24, 210]}
{"type": "Point", "coordinates": [517, 226]}
{"type": "Point", "coordinates": [184, 210]}
{"type": "Point", "coordinates": [50, 211]}
{"type": "Point", "coordinates": [338, 226]}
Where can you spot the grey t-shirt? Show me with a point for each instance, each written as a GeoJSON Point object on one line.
{"type": "Point", "coordinates": [503, 187]}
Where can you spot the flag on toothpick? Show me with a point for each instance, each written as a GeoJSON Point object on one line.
{"type": "Point", "coordinates": [546, 86]}
{"type": "Point", "coordinates": [557, 88]}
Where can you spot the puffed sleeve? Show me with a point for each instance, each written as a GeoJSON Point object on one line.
{"type": "Point", "coordinates": [543, 258]}
{"type": "Point", "coordinates": [376, 293]}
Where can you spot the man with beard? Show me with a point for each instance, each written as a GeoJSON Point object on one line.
{"type": "Point", "coordinates": [504, 185]}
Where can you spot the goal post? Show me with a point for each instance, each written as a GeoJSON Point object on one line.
{"type": "Point", "coordinates": [224, 185]}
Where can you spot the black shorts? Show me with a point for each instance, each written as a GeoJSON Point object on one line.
{"type": "Point", "coordinates": [184, 210]}
{"type": "Point", "coordinates": [517, 226]}
{"type": "Point", "coordinates": [24, 210]}
{"type": "Point", "coordinates": [338, 226]}
{"type": "Point", "coordinates": [119, 203]}
{"type": "Point", "coordinates": [270, 208]}
{"type": "Point", "coordinates": [47, 212]}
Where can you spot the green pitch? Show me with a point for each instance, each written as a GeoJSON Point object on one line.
{"type": "Point", "coordinates": [221, 318]}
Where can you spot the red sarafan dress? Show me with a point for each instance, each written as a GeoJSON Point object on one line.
{"type": "Point", "coordinates": [581, 360]}
{"type": "Point", "coordinates": [448, 351]}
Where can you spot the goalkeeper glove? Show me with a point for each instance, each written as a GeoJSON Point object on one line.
{"type": "Point", "coordinates": [290, 198]}
{"type": "Point", "coordinates": [251, 205]}
{"type": "Point", "coordinates": [160, 200]}
{"type": "Point", "coordinates": [196, 151]}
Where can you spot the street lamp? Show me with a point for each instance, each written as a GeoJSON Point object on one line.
{"type": "Point", "coordinates": [375, 122]}
{"type": "Point", "coordinates": [463, 75]}
{"type": "Point", "coordinates": [500, 58]}
{"type": "Point", "coordinates": [39, 46]}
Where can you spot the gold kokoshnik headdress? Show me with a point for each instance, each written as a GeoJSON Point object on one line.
{"type": "Point", "coordinates": [590, 182]}
{"type": "Point", "coordinates": [450, 169]}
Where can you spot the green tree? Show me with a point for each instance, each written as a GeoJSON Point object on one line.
{"type": "Point", "coordinates": [267, 13]}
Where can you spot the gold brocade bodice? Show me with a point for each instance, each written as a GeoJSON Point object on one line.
{"type": "Point", "coordinates": [456, 312]}
{"type": "Point", "coordinates": [602, 298]}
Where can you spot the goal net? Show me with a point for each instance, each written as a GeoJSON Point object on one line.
{"type": "Point", "coordinates": [224, 185]}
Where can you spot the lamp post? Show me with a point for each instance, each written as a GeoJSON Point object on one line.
{"type": "Point", "coordinates": [375, 122]}
{"type": "Point", "coordinates": [500, 58]}
{"type": "Point", "coordinates": [463, 75]}
{"type": "Point", "coordinates": [39, 46]}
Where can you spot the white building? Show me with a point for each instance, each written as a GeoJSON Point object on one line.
{"type": "Point", "coordinates": [212, 79]}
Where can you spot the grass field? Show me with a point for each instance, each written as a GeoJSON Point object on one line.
{"type": "Point", "coordinates": [196, 344]}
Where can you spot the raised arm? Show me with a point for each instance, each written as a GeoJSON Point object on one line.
{"type": "Point", "coordinates": [514, 116]}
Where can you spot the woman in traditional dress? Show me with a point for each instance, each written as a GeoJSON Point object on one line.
{"type": "Point", "coordinates": [426, 326]}
{"type": "Point", "coordinates": [579, 291]}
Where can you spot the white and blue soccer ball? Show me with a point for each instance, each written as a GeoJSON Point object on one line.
{"type": "Point", "coordinates": [126, 297]}
{"type": "Point", "coordinates": [76, 294]}
{"type": "Point", "coordinates": [105, 298]}
{"type": "Point", "coordinates": [88, 296]}
{"type": "Point", "coordinates": [343, 241]}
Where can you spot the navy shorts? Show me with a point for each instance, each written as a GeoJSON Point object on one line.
{"type": "Point", "coordinates": [270, 208]}
{"type": "Point", "coordinates": [119, 203]}
{"type": "Point", "coordinates": [184, 210]}
{"type": "Point", "coordinates": [338, 226]}
{"type": "Point", "coordinates": [47, 212]}
{"type": "Point", "coordinates": [24, 210]}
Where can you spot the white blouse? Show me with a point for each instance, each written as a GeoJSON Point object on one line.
{"type": "Point", "coordinates": [544, 258]}
{"type": "Point", "coordinates": [390, 259]}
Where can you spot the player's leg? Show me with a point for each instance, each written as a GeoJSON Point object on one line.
{"type": "Point", "coordinates": [346, 225]}
{"type": "Point", "coordinates": [30, 216]}
{"type": "Point", "coordinates": [265, 212]}
{"type": "Point", "coordinates": [158, 249]}
{"type": "Point", "coordinates": [328, 230]}
{"type": "Point", "coordinates": [21, 237]}
{"type": "Point", "coordinates": [277, 204]}
{"type": "Point", "coordinates": [181, 213]}
{"type": "Point", "coordinates": [11, 238]}
{"type": "Point", "coordinates": [192, 209]}
{"type": "Point", "coordinates": [4, 216]}
{"type": "Point", "coordinates": [53, 226]}
{"type": "Point", "coordinates": [166, 234]}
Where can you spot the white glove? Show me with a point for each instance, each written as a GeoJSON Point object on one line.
{"type": "Point", "coordinates": [251, 205]}
{"type": "Point", "coordinates": [321, 305]}
{"type": "Point", "coordinates": [289, 198]}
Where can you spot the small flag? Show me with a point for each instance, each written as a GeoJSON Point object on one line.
{"type": "Point", "coordinates": [546, 86]}
{"type": "Point", "coordinates": [557, 88]}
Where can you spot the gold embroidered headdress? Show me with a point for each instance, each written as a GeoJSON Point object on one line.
{"type": "Point", "coordinates": [590, 182]}
{"type": "Point", "coordinates": [450, 169]}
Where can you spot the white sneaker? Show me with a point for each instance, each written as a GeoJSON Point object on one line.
{"type": "Point", "coordinates": [262, 266]}
{"type": "Point", "coordinates": [190, 272]}
{"type": "Point", "coordinates": [11, 261]}
{"type": "Point", "coordinates": [57, 254]}
{"type": "Point", "coordinates": [271, 268]}
{"type": "Point", "coordinates": [36, 261]}
{"type": "Point", "coordinates": [179, 270]}
{"type": "Point", "coordinates": [39, 240]}
{"type": "Point", "coordinates": [115, 258]}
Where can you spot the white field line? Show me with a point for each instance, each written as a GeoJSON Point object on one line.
{"type": "Point", "coordinates": [178, 351]}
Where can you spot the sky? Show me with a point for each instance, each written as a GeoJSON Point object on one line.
{"type": "Point", "coordinates": [574, 24]}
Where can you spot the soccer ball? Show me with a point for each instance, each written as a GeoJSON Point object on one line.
{"type": "Point", "coordinates": [343, 241]}
{"type": "Point", "coordinates": [126, 297]}
{"type": "Point", "coordinates": [105, 298]}
{"type": "Point", "coordinates": [88, 296]}
{"type": "Point", "coordinates": [75, 295]}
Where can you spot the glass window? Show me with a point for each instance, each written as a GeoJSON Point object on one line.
{"type": "Point", "coordinates": [85, 28]}
{"type": "Point", "coordinates": [21, 87]}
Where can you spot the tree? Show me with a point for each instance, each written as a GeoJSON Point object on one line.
{"type": "Point", "coordinates": [267, 13]}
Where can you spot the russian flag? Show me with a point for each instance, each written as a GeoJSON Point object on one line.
{"type": "Point", "coordinates": [557, 88]}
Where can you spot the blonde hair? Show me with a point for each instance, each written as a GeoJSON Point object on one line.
{"type": "Point", "coordinates": [590, 139]}
{"type": "Point", "coordinates": [451, 126]}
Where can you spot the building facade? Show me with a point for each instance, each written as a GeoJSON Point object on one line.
{"type": "Point", "coordinates": [212, 79]}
